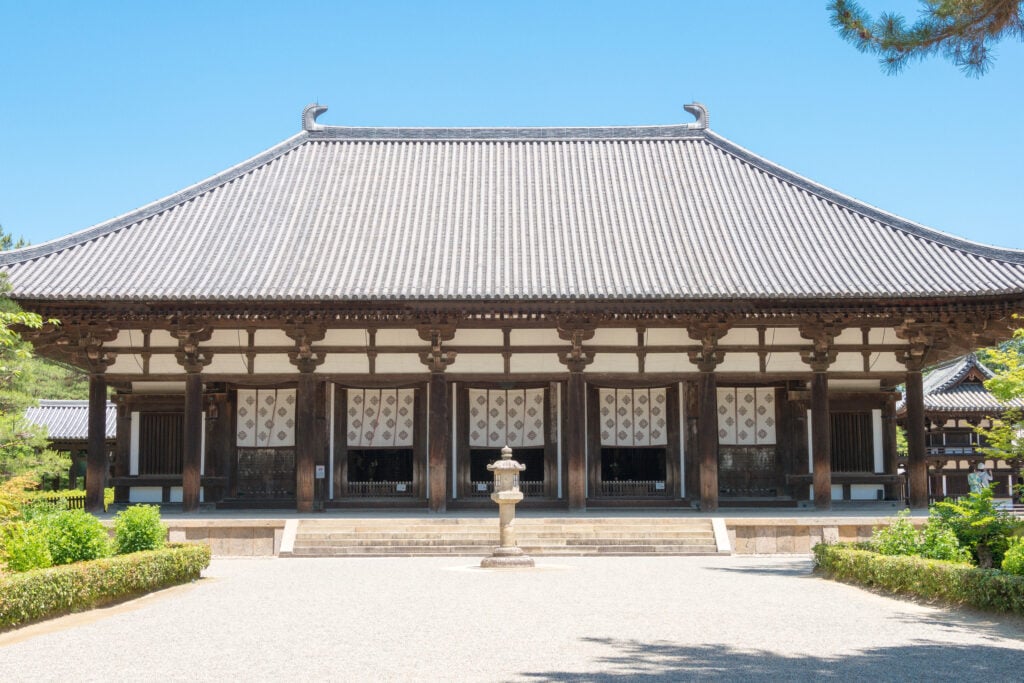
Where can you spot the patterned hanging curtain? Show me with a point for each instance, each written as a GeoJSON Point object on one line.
{"type": "Point", "coordinates": [266, 418]}
{"type": "Point", "coordinates": [746, 416]}
{"type": "Point", "coordinates": [500, 417]}
{"type": "Point", "coordinates": [380, 418]}
{"type": "Point", "coordinates": [634, 417]}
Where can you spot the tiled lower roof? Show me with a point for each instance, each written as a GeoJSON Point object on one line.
{"type": "Point", "coordinates": [69, 419]}
{"type": "Point", "coordinates": [660, 212]}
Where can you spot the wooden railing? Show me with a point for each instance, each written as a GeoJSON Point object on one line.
{"type": "Point", "coordinates": [483, 489]}
{"type": "Point", "coordinates": [380, 489]}
{"type": "Point", "coordinates": [616, 489]}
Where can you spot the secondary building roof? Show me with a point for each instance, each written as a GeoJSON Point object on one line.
{"type": "Point", "coordinates": [621, 213]}
{"type": "Point", "coordinates": [69, 420]}
{"type": "Point", "coordinates": [957, 386]}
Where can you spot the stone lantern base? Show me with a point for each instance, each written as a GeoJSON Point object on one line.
{"type": "Point", "coordinates": [505, 558]}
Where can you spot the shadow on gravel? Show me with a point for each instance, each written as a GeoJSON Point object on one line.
{"type": "Point", "coordinates": [801, 568]}
{"type": "Point", "coordinates": [638, 661]}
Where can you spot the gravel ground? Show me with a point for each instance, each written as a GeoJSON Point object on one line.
{"type": "Point", "coordinates": [441, 619]}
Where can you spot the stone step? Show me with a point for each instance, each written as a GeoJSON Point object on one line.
{"type": "Point", "coordinates": [476, 537]}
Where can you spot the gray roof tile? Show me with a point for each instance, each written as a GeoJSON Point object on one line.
{"type": "Point", "coordinates": [513, 213]}
{"type": "Point", "coordinates": [69, 419]}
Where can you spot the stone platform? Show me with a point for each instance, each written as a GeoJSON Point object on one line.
{"type": "Point", "coordinates": [541, 533]}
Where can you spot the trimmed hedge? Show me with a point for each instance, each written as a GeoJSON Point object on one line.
{"type": "Point", "coordinates": [45, 593]}
{"type": "Point", "coordinates": [962, 583]}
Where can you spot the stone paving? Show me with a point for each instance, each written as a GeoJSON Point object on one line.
{"type": "Point", "coordinates": [570, 619]}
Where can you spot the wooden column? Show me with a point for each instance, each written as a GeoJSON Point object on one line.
{"type": "Point", "coordinates": [821, 441]}
{"type": "Point", "coordinates": [190, 357]}
{"type": "Point", "coordinates": [440, 443]}
{"type": "Point", "coordinates": [707, 439]}
{"type": "Point", "coordinates": [122, 451]}
{"type": "Point", "coordinates": [305, 441]}
{"type": "Point", "coordinates": [96, 460]}
{"type": "Point", "coordinates": [822, 333]}
{"type": "Point", "coordinates": [307, 436]}
{"type": "Point", "coordinates": [192, 458]}
{"type": "Point", "coordinates": [576, 440]}
{"type": "Point", "coordinates": [576, 359]}
{"type": "Point", "coordinates": [890, 456]}
{"type": "Point", "coordinates": [917, 467]}
{"type": "Point", "coordinates": [439, 425]}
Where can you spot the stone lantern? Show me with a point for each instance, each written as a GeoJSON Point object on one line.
{"type": "Point", "coordinates": [506, 495]}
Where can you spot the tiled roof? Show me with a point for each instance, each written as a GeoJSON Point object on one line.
{"type": "Point", "coordinates": [945, 389]}
{"type": "Point", "coordinates": [69, 419]}
{"type": "Point", "coordinates": [656, 212]}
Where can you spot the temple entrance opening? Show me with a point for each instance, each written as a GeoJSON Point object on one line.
{"type": "Point", "coordinates": [633, 472]}
{"type": "Point", "coordinates": [531, 481]}
{"type": "Point", "coordinates": [376, 472]}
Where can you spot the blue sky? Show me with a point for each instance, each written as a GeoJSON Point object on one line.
{"type": "Point", "coordinates": [105, 106]}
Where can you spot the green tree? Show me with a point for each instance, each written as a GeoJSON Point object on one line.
{"type": "Point", "coordinates": [1005, 437]}
{"type": "Point", "coordinates": [962, 31]}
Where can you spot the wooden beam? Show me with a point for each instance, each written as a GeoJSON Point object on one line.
{"type": "Point", "coordinates": [193, 442]}
{"type": "Point", "coordinates": [821, 441]}
{"type": "Point", "coordinates": [96, 460]}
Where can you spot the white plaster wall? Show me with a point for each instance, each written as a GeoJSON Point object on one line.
{"type": "Point", "coordinates": [126, 363]}
{"type": "Point", "coordinates": [158, 387]}
{"type": "Point", "coordinates": [403, 362]}
{"type": "Point", "coordinates": [740, 362]}
{"type": "Point", "coordinates": [847, 362]}
{"type": "Point", "coordinates": [668, 362]}
{"type": "Point", "coordinates": [851, 335]}
{"type": "Point", "coordinates": [239, 338]}
{"type": "Point", "coordinates": [876, 440]}
{"type": "Point", "coordinates": [614, 362]}
{"type": "Point", "coordinates": [614, 336]}
{"type": "Point", "coordinates": [667, 336]}
{"type": "Point", "coordinates": [783, 335]}
{"type": "Point", "coordinates": [740, 336]}
{"type": "Point", "coordinates": [175, 494]}
{"type": "Point", "coordinates": [227, 364]}
{"type": "Point", "coordinates": [786, 362]}
{"type": "Point", "coordinates": [478, 362]}
{"type": "Point", "coordinates": [539, 337]}
{"type": "Point", "coordinates": [478, 338]}
{"type": "Point", "coordinates": [145, 494]}
{"type": "Point", "coordinates": [885, 362]}
{"type": "Point", "coordinates": [345, 337]}
{"type": "Point", "coordinates": [345, 362]}
{"type": "Point", "coordinates": [273, 363]}
{"type": "Point", "coordinates": [129, 338]}
{"type": "Point", "coordinates": [536, 362]}
{"type": "Point", "coordinates": [163, 338]}
{"type": "Point", "coordinates": [837, 492]}
{"type": "Point", "coordinates": [393, 337]}
{"type": "Point", "coordinates": [883, 335]}
{"type": "Point", "coordinates": [133, 446]}
{"type": "Point", "coordinates": [164, 364]}
{"type": "Point", "coordinates": [865, 491]}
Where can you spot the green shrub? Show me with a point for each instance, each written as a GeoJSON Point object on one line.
{"type": "Point", "coordinates": [939, 542]}
{"type": "Point", "coordinates": [138, 528]}
{"type": "Point", "coordinates": [74, 536]}
{"type": "Point", "coordinates": [979, 525]}
{"type": "Point", "coordinates": [1013, 560]}
{"type": "Point", "coordinates": [44, 593]}
{"type": "Point", "coordinates": [931, 579]}
{"type": "Point", "coordinates": [35, 508]}
{"type": "Point", "coordinates": [71, 498]}
{"type": "Point", "coordinates": [25, 547]}
{"type": "Point", "coordinates": [899, 538]}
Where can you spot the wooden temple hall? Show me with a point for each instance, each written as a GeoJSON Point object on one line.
{"type": "Point", "coordinates": [647, 315]}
